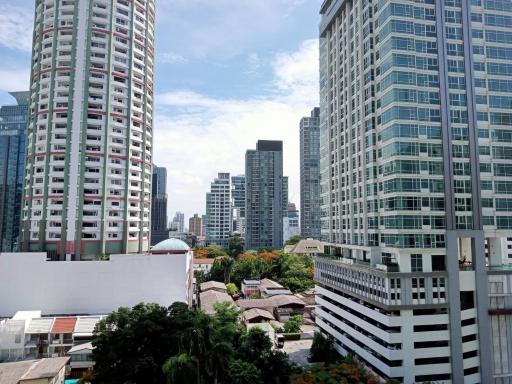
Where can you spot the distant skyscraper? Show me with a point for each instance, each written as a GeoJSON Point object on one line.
{"type": "Point", "coordinates": [159, 205]}
{"type": "Point", "coordinates": [90, 134]}
{"type": "Point", "coordinates": [218, 211]}
{"type": "Point", "coordinates": [264, 195]}
{"type": "Point", "coordinates": [178, 222]}
{"type": "Point", "coordinates": [310, 175]}
{"type": "Point", "coordinates": [416, 176]}
{"type": "Point", "coordinates": [195, 225]}
{"type": "Point", "coordinates": [291, 223]}
{"type": "Point", "coordinates": [13, 123]}
{"type": "Point", "coordinates": [238, 203]}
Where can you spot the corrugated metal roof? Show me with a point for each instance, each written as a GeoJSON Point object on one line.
{"type": "Point", "coordinates": [64, 325]}
{"type": "Point", "coordinates": [42, 325]}
{"type": "Point", "coordinates": [85, 324]}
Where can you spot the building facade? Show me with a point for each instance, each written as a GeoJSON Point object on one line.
{"type": "Point", "coordinates": [158, 205]}
{"type": "Point", "coordinates": [218, 211]}
{"type": "Point", "coordinates": [310, 175]}
{"type": "Point", "coordinates": [13, 123]}
{"type": "Point", "coordinates": [415, 144]}
{"type": "Point", "coordinates": [264, 195]}
{"type": "Point", "coordinates": [195, 225]}
{"type": "Point", "coordinates": [291, 223]}
{"type": "Point", "coordinates": [238, 203]}
{"type": "Point", "coordinates": [90, 133]}
{"type": "Point", "coordinates": [178, 222]}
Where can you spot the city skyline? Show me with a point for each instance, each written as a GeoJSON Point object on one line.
{"type": "Point", "coordinates": [272, 84]}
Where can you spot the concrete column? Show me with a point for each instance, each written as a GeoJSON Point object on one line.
{"type": "Point", "coordinates": [497, 249]}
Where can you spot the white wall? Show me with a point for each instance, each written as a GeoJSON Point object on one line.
{"type": "Point", "coordinates": [28, 282]}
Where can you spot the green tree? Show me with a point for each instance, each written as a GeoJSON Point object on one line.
{"type": "Point", "coordinates": [293, 240]}
{"type": "Point", "coordinates": [232, 289]}
{"type": "Point", "coordinates": [236, 245]}
{"type": "Point", "coordinates": [322, 349]}
{"type": "Point", "coordinates": [293, 324]}
{"type": "Point", "coordinates": [241, 372]}
{"type": "Point", "coordinates": [121, 356]}
{"type": "Point", "coordinates": [226, 263]}
{"type": "Point", "coordinates": [180, 369]}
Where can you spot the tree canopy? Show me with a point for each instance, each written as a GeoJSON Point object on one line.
{"type": "Point", "coordinates": [293, 240]}
{"type": "Point", "coordinates": [151, 344]}
{"type": "Point", "coordinates": [292, 271]}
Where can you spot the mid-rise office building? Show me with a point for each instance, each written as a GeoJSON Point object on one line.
{"type": "Point", "coordinates": [218, 211]}
{"type": "Point", "coordinates": [195, 225]}
{"type": "Point", "coordinates": [13, 123]}
{"type": "Point", "coordinates": [264, 195]}
{"type": "Point", "coordinates": [416, 150]}
{"type": "Point", "coordinates": [238, 203]}
{"type": "Point", "coordinates": [310, 175]}
{"type": "Point", "coordinates": [90, 133]}
{"type": "Point", "coordinates": [159, 205]}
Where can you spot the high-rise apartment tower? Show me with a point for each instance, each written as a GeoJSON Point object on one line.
{"type": "Point", "coordinates": [416, 177]}
{"type": "Point", "coordinates": [310, 175]}
{"type": "Point", "coordinates": [218, 211]}
{"type": "Point", "coordinates": [264, 195]}
{"type": "Point", "coordinates": [13, 123]}
{"type": "Point", "coordinates": [90, 132]}
{"type": "Point", "coordinates": [195, 225]}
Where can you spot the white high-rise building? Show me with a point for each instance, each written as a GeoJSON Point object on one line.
{"type": "Point", "coordinates": [218, 211]}
{"type": "Point", "coordinates": [416, 177]}
{"type": "Point", "coordinates": [90, 134]}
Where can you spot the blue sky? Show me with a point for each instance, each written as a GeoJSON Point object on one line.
{"type": "Point", "coordinates": [228, 72]}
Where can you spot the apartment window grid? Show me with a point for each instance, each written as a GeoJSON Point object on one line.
{"type": "Point", "coordinates": [117, 118]}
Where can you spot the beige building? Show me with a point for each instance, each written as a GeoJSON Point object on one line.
{"type": "Point", "coordinates": [44, 371]}
{"type": "Point", "coordinates": [195, 225]}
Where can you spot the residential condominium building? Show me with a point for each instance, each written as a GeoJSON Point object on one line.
{"type": "Point", "coordinates": [195, 225]}
{"type": "Point", "coordinates": [265, 195]}
{"type": "Point", "coordinates": [90, 132]}
{"type": "Point", "coordinates": [238, 203]}
{"type": "Point", "coordinates": [310, 175]}
{"type": "Point", "coordinates": [159, 205]}
{"type": "Point", "coordinates": [416, 176]}
{"type": "Point", "coordinates": [218, 211]}
{"type": "Point", "coordinates": [13, 123]}
{"type": "Point", "coordinates": [291, 226]}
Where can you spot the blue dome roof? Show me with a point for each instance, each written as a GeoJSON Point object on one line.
{"type": "Point", "coordinates": [171, 245]}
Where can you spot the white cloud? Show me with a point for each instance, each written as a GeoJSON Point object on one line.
{"type": "Point", "coordinates": [197, 136]}
{"type": "Point", "coordinates": [14, 80]}
{"type": "Point", "coordinates": [221, 28]}
{"type": "Point", "coordinates": [16, 25]}
{"type": "Point", "coordinates": [171, 58]}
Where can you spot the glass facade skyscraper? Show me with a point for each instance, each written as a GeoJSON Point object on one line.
{"type": "Point", "coordinates": [13, 124]}
{"type": "Point", "coordinates": [416, 165]}
{"type": "Point", "coordinates": [310, 175]}
{"type": "Point", "coordinates": [159, 205]}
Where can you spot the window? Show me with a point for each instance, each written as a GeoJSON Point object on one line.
{"type": "Point", "coordinates": [438, 263]}
{"type": "Point", "coordinates": [416, 263]}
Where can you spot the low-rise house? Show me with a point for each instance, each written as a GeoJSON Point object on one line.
{"type": "Point", "coordinates": [210, 298]}
{"type": "Point", "coordinates": [250, 286]}
{"type": "Point", "coordinates": [257, 315]}
{"type": "Point", "coordinates": [281, 306]}
{"type": "Point", "coordinates": [24, 337]}
{"type": "Point", "coordinates": [204, 265]}
{"type": "Point", "coordinates": [310, 247]}
{"type": "Point", "coordinates": [44, 371]}
{"type": "Point", "coordinates": [80, 359]}
{"type": "Point", "coordinates": [213, 286]}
